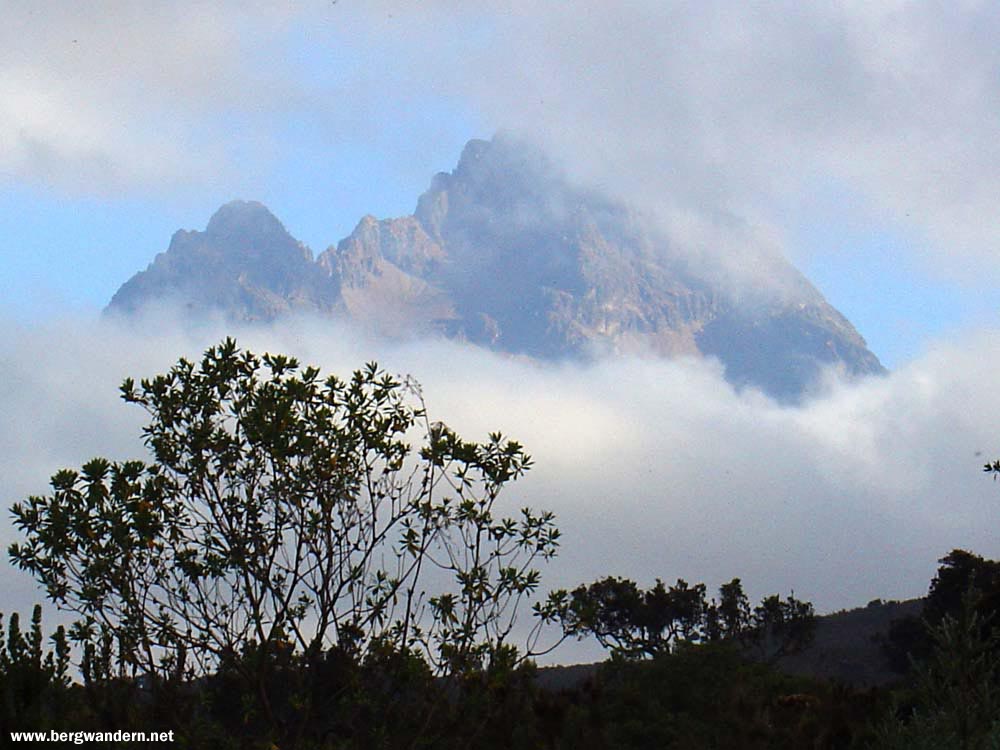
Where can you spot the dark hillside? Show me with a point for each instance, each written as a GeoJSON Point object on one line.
{"type": "Point", "coordinates": [848, 645]}
{"type": "Point", "coordinates": [847, 649]}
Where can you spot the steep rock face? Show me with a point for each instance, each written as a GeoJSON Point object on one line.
{"type": "Point", "coordinates": [244, 265]}
{"type": "Point", "coordinates": [783, 349]}
{"type": "Point", "coordinates": [533, 266]}
{"type": "Point", "coordinates": [384, 267]}
{"type": "Point", "coordinates": [505, 253]}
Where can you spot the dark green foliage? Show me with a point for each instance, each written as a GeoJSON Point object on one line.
{"type": "Point", "coordinates": [732, 614]}
{"type": "Point", "coordinates": [780, 626]}
{"type": "Point", "coordinates": [953, 700]}
{"type": "Point", "coordinates": [33, 680]}
{"type": "Point", "coordinates": [960, 572]}
{"type": "Point", "coordinates": [711, 696]}
{"type": "Point", "coordinates": [283, 518]}
{"type": "Point", "coordinates": [632, 623]}
{"type": "Point", "coordinates": [952, 696]}
{"type": "Point", "coordinates": [697, 697]}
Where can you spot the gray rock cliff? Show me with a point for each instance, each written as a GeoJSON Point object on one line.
{"type": "Point", "coordinates": [504, 252]}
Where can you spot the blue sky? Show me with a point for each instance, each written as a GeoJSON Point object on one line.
{"type": "Point", "coordinates": [124, 125]}
{"type": "Point", "coordinates": [877, 274]}
{"type": "Point", "coordinates": [69, 253]}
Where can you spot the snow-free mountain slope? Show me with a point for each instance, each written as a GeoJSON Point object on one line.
{"type": "Point", "coordinates": [504, 252]}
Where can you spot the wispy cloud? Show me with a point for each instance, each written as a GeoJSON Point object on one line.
{"type": "Point", "coordinates": [134, 95]}
{"type": "Point", "coordinates": [737, 108]}
{"type": "Point", "coordinates": [701, 112]}
{"type": "Point", "coordinates": [654, 468]}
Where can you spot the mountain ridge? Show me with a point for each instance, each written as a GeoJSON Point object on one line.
{"type": "Point", "coordinates": [503, 252]}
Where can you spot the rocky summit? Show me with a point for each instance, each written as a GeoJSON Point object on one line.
{"type": "Point", "coordinates": [506, 253]}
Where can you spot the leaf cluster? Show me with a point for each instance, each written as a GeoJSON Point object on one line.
{"type": "Point", "coordinates": [633, 623]}
{"type": "Point", "coordinates": [32, 678]}
{"type": "Point", "coordinates": [285, 513]}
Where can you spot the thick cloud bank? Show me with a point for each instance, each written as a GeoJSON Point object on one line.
{"type": "Point", "coordinates": [654, 468]}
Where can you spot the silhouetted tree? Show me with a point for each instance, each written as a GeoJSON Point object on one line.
{"type": "Point", "coordinates": [33, 680]}
{"type": "Point", "coordinates": [733, 609]}
{"type": "Point", "coordinates": [956, 699]}
{"type": "Point", "coordinates": [284, 515]}
{"type": "Point", "coordinates": [959, 573]}
{"type": "Point", "coordinates": [632, 623]}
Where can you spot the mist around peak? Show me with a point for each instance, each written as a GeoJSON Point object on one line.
{"type": "Point", "coordinates": [506, 253]}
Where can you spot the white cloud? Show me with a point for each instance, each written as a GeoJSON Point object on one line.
{"type": "Point", "coordinates": [654, 468]}
{"type": "Point", "coordinates": [713, 110]}
{"type": "Point", "coordinates": [734, 107]}
{"type": "Point", "coordinates": [126, 95]}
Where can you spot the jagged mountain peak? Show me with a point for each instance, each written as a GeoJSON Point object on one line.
{"type": "Point", "coordinates": [244, 264]}
{"type": "Point", "coordinates": [503, 156]}
{"type": "Point", "coordinates": [246, 220]}
{"type": "Point", "coordinates": [504, 176]}
{"type": "Point", "coordinates": [505, 252]}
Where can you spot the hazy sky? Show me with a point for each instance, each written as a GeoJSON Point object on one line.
{"type": "Point", "coordinates": [859, 138]}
